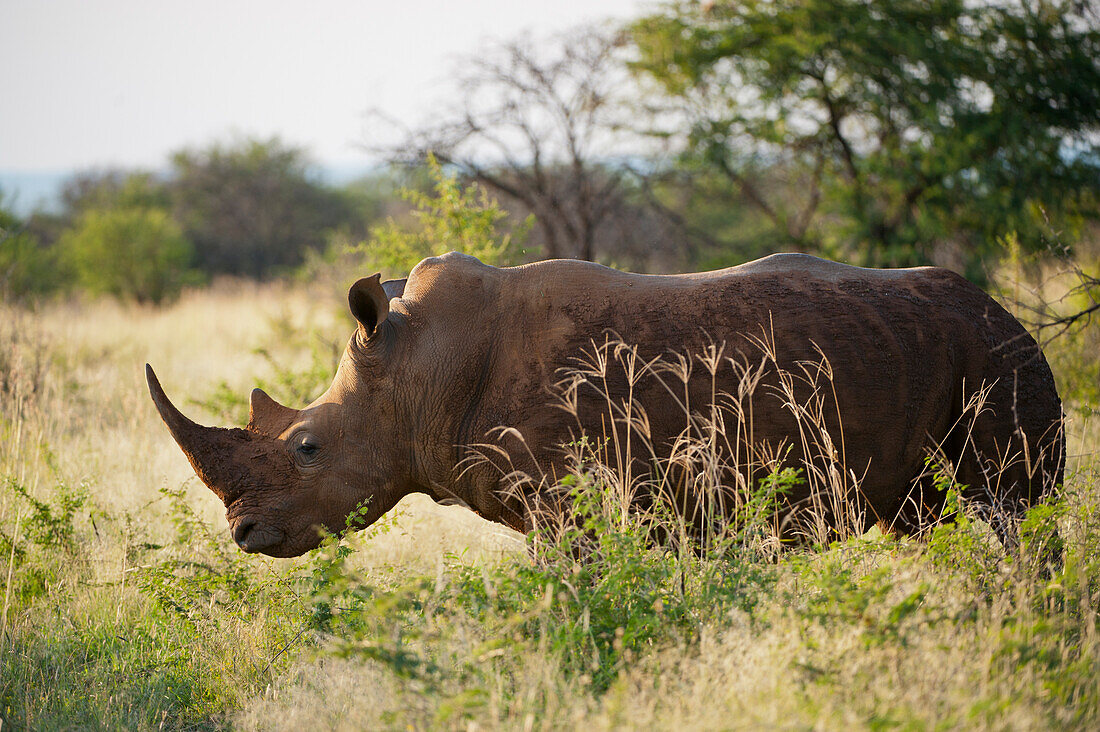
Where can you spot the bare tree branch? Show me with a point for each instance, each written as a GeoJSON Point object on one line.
{"type": "Point", "coordinates": [539, 126]}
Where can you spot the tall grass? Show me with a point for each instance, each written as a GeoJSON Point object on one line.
{"type": "Point", "coordinates": [126, 605]}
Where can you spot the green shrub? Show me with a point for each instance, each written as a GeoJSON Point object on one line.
{"type": "Point", "coordinates": [43, 541]}
{"type": "Point", "coordinates": [253, 207]}
{"type": "Point", "coordinates": [26, 267]}
{"type": "Point", "coordinates": [189, 629]}
{"type": "Point", "coordinates": [604, 588]}
{"type": "Point", "coordinates": [135, 253]}
{"type": "Point", "coordinates": [452, 217]}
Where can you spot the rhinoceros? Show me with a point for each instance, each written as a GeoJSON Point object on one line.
{"type": "Point", "coordinates": [459, 348]}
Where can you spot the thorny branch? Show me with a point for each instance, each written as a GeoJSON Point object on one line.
{"type": "Point", "coordinates": [1047, 319]}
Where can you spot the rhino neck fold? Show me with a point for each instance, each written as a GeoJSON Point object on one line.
{"type": "Point", "coordinates": [441, 462]}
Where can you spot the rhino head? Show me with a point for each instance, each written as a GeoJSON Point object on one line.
{"type": "Point", "coordinates": [291, 472]}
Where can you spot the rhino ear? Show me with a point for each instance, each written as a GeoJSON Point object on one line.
{"type": "Point", "coordinates": [369, 303]}
{"type": "Point", "coordinates": [394, 288]}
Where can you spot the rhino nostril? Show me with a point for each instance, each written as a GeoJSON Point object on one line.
{"type": "Point", "coordinates": [253, 535]}
{"type": "Point", "coordinates": [240, 531]}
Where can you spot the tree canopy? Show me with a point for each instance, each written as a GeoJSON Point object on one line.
{"type": "Point", "coordinates": [252, 208]}
{"type": "Point", "coordinates": [895, 128]}
{"type": "Point", "coordinates": [130, 252]}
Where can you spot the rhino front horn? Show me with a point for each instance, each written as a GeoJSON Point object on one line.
{"type": "Point", "coordinates": [184, 431]}
{"type": "Point", "coordinates": [224, 459]}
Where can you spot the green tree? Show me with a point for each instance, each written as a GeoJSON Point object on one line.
{"type": "Point", "coordinates": [130, 252]}
{"type": "Point", "coordinates": [452, 217]}
{"type": "Point", "coordinates": [26, 267]}
{"type": "Point", "coordinates": [112, 188]}
{"type": "Point", "coordinates": [252, 208]}
{"type": "Point", "coordinates": [888, 129]}
{"type": "Point", "coordinates": [93, 189]}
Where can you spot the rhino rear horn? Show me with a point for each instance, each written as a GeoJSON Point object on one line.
{"type": "Point", "coordinates": [266, 416]}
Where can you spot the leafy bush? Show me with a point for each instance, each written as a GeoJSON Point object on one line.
{"type": "Point", "coordinates": [43, 540]}
{"type": "Point", "coordinates": [26, 267]}
{"type": "Point", "coordinates": [171, 641]}
{"type": "Point", "coordinates": [134, 253]}
{"type": "Point", "coordinates": [452, 217]}
{"type": "Point", "coordinates": [205, 583]}
{"type": "Point", "coordinates": [596, 596]}
{"type": "Point", "coordinates": [111, 188]}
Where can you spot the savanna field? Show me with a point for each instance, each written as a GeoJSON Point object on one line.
{"type": "Point", "coordinates": [670, 136]}
{"type": "Point", "coordinates": [126, 605]}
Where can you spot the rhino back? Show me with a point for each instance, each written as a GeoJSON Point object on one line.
{"type": "Point", "coordinates": [900, 345]}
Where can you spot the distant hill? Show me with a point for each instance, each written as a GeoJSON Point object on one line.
{"type": "Point", "coordinates": [25, 192]}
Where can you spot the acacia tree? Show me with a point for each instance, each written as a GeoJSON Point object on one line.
{"type": "Point", "coordinates": [888, 128]}
{"type": "Point", "coordinates": [542, 127]}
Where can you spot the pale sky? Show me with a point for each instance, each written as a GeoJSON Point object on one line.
{"type": "Point", "coordinates": [95, 83]}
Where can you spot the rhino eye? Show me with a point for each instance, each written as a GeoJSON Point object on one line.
{"type": "Point", "coordinates": [306, 448]}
